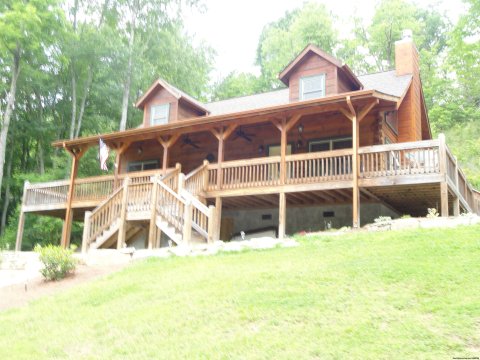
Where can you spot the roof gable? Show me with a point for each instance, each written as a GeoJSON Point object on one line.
{"type": "Point", "coordinates": [312, 49]}
{"type": "Point", "coordinates": [177, 93]}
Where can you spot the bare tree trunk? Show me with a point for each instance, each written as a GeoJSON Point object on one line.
{"type": "Point", "coordinates": [9, 109]}
{"type": "Point", "coordinates": [128, 79]}
{"type": "Point", "coordinates": [74, 104]}
{"type": "Point", "coordinates": [6, 202]}
{"type": "Point", "coordinates": [84, 100]}
{"type": "Point", "coordinates": [40, 153]}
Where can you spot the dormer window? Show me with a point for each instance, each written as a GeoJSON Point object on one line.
{"type": "Point", "coordinates": [159, 114]}
{"type": "Point", "coordinates": [312, 87]}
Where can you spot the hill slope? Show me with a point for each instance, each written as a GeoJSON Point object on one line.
{"type": "Point", "coordinates": [399, 295]}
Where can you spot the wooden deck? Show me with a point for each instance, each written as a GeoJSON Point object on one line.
{"type": "Point", "coordinates": [416, 174]}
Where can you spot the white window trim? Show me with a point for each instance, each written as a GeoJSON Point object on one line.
{"type": "Point", "coordinates": [164, 120]}
{"type": "Point", "coordinates": [326, 141]}
{"type": "Point", "coordinates": [302, 92]}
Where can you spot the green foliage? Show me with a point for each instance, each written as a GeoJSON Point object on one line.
{"type": "Point", "coordinates": [235, 85]}
{"type": "Point", "coordinates": [57, 261]}
{"type": "Point", "coordinates": [282, 40]}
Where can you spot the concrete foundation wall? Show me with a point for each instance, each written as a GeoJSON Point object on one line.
{"type": "Point", "coordinates": [309, 218]}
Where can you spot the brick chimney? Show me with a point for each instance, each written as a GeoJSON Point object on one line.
{"type": "Point", "coordinates": [410, 111]}
{"type": "Point", "coordinates": [406, 55]}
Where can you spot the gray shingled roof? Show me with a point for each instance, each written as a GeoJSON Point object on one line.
{"type": "Point", "coordinates": [385, 82]}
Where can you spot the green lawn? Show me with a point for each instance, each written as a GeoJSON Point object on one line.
{"type": "Point", "coordinates": [388, 295]}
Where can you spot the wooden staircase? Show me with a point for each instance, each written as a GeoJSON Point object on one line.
{"type": "Point", "coordinates": [162, 202]}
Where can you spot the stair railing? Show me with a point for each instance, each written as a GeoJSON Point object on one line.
{"type": "Point", "coordinates": [183, 211]}
{"type": "Point", "coordinates": [102, 217]}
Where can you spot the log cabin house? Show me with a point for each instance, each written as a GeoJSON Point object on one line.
{"type": "Point", "coordinates": [331, 149]}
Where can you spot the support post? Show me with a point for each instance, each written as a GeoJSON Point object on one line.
{"type": "Point", "coordinates": [456, 201]}
{"type": "Point", "coordinates": [21, 220]}
{"type": "Point", "coordinates": [86, 231]}
{"type": "Point", "coordinates": [187, 223]}
{"type": "Point", "coordinates": [211, 224]}
{"type": "Point", "coordinates": [283, 152]}
{"type": "Point", "coordinates": [444, 199]}
{"type": "Point", "coordinates": [181, 183]}
{"type": "Point", "coordinates": [122, 229]}
{"type": "Point", "coordinates": [355, 171]}
{"type": "Point", "coordinates": [442, 158]}
{"type": "Point", "coordinates": [205, 175]}
{"type": "Point", "coordinates": [220, 161]}
{"type": "Point", "coordinates": [67, 225]}
{"type": "Point", "coordinates": [218, 217]}
{"type": "Point", "coordinates": [165, 160]}
{"type": "Point", "coordinates": [153, 215]}
{"type": "Point", "coordinates": [282, 215]}
{"type": "Point", "coordinates": [166, 145]}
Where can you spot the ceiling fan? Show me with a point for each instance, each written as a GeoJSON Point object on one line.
{"type": "Point", "coordinates": [187, 141]}
{"type": "Point", "coordinates": [239, 133]}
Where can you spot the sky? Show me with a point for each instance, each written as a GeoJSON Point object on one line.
{"type": "Point", "coordinates": [233, 27]}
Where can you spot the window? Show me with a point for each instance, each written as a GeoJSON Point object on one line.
{"type": "Point", "coordinates": [391, 119]}
{"type": "Point", "coordinates": [142, 165]}
{"type": "Point", "coordinates": [330, 144]}
{"type": "Point", "coordinates": [159, 114]}
{"type": "Point", "coordinates": [312, 87]}
{"type": "Point", "coordinates": [275, 150]}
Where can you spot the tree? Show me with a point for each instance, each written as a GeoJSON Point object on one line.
{"type": "Point", "coordinates": [27, 28]}
{"type": "Point", "coordinates": [236, 84]}
{"type": "Point", "coordinates": [282, 40]}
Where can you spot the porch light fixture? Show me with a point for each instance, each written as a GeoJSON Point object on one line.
{"type": "Point", "coordinates": [300, 128]}
{"type": "Point", "coordinates": [139, 150]}
{"type": "Point", "coordinates": [261, 149]}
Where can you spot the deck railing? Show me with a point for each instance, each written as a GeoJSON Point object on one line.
{"type": "Point", "coordinates": [319, 167]}
{"type": "Point", "coordinates": [414, 158]}
{"type": "Point", "coordinates": [430, 157]}
{"type": "Point", "coordinates": [94, 188]}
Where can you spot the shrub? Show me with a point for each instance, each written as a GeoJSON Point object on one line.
{"type": "Point", "coordinates": [382, 219]}
{"type": "Point", "coordinates": [432, 213]}
{"type": "Point", "coordinates": [57, 262]}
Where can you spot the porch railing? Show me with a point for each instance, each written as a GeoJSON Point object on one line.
{"type": "Point", "coordinates": [94, 188]}
{"type": "Point", "coordinates": [421, 157]}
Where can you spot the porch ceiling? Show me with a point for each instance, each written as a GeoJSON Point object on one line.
{"type": "Point", "coordinates": [316, 106]}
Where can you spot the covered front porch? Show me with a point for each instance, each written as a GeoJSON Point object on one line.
{"type": "Point", "coordinates": [310, 154]}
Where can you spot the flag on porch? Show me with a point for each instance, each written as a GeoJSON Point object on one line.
{"type": "Point", "coordinates": [103, 152]}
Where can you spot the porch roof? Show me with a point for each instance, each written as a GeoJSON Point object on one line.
{"type": "Point", "coordinates": [203, 123]}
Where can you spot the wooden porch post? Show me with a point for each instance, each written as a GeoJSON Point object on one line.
{"type": "Point", "coordinates": [187, 224]}
{"type": "Point", "coordinates": [21, 220]}
{"type": "Point", "coordinates": [119, 152]}
{"type": "Point", "coordinates": [221, 134]}
{"type": "Point", "coordinates": [67, 225]}
{"type": "Point", "coordinates": [166, 145]}
{"type": "Point", "coordinates": [218, 218]}
{"type": "Point", "coordinates": [442, 158]}
{"type": "Point", "coordinates": [283, 154]}
{"type": "Point", "coordinates": [153, 215]}
{"type": "Point", "coordinates": [456, 201]}
{"type": "Point", "coordinates": [86, 231]}
{"type": "Point", "coordinates": [282, 215]}
{"type": "Point", "coordinates": [356, 118]}
{"type": "Point", "coordinates": [355, 171]}
{"type": "Point", "coordinates": [122, 229]}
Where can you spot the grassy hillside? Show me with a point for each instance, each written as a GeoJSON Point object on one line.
{"type": "Point", "coordinates": [385, 295]}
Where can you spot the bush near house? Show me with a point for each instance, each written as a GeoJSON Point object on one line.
{"type": "Point", "coordinates": [57, 262]}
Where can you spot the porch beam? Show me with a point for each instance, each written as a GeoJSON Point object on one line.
{"type": "Point", "coordinates": [166, 144]}
{"type": "Point", "coordinates": [366, 109]}
{"type": "Point", "coordinates": [119, 152]}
